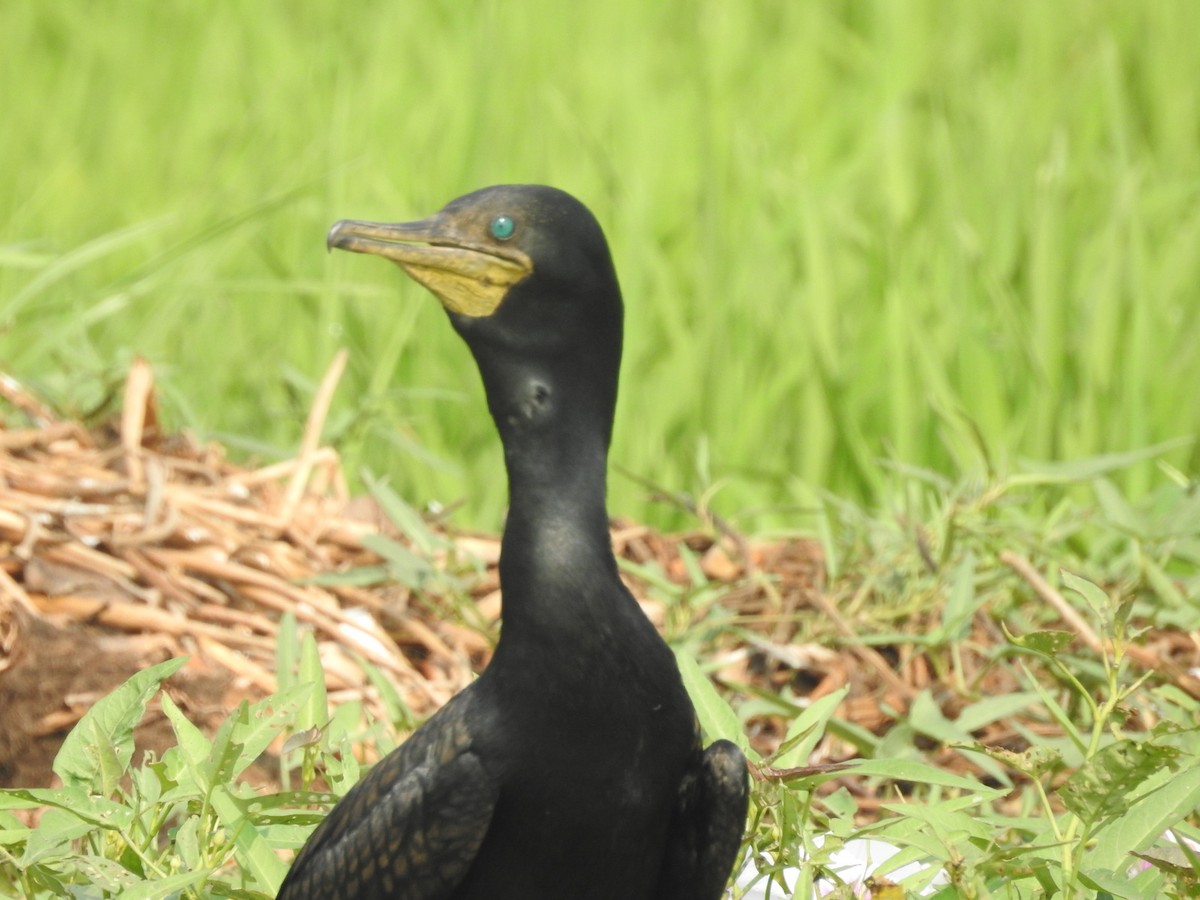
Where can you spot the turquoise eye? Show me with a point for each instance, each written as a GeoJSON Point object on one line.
{"type": "Point", "coordinates": [502, 228]}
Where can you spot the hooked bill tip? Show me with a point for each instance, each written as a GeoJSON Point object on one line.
{"type": "Point", "coordinates": [331, 239]}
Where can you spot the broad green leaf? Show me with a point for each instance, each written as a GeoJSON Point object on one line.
{"type": "Point", "coordinates": [253, 851]}
{"type": "Point", "coordinates": [1102, 787]}
{"type": "Point", "coordinates": [1150, 882]}
{"type": "Point", "coordinates": [841, 803]}
{"type": "Point", "coordinates": [56, 829]}
{"type": "Point", "coordinates": [91, 808]}
{"type": "Point", "coordinates": [950, 826]}
{"type": "Point", "coordinates": [264, 721]}
{"type": "Point", "coordinates": [1048, 874]}
{"type": "Point", "coordinates": [1147, 819]}
{"type": "Point", "coordinates": [147, 789]}
{"type": "Point", "coordinates": [193, 746]}
{"type": "Point", "coordinates": [925, 717]}
{"type": "Point", "coordinates": [1116, 884]}
{"type": "Point", "coordinates": [106, 873]}
{"type": "Point", "coordinates": [187, 842]}
{"type": "Point", "coordinates": [98, 749]}
{"type": "Point", "coordinates": [225, 752]}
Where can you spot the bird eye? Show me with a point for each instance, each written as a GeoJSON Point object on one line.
{"type": "Point", "coordinates": [502, 228]}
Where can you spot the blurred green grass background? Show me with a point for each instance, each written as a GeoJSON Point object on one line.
{"type": "Point", "coordinates": [953, 236]}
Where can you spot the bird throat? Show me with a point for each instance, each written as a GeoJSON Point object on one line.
{"type": "Point", "coordinates": [556, 549]}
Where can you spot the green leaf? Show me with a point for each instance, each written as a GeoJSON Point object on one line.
{"type": "Point", "coordinates": [925, 717]}
{"type": "Point", "coordinates": [961, 602]}
{"type": "Point", "coordinates": [87, 807]}
{"type": "Point", "coordinates": [105, 873]}
{"type": "Point", "coordinates": [98, 749]}
{"type": "Point", "coordinates": [56, 829]}
{"type": "Point", "coordinates": [264, 721]}
{"type": "Point", "coordinates": [205, 764]}
{"type": "Point", "coordinates": [717, 718]}
{"type": "Point", "coordinates": [1115, 884]}
{"type": "Point", "coordinates": [922, 773]}
{"type": "Point", "coordinates": [1033, 761]}
{"type": "Point", "coordinates": [950, 826]}
{"type": "Point", "coordinates": [1117, 509]}
{"type": "Point", "coordinates": [68, 263]}
{"type": "Point", "coordinates": [841, 803]}
{"type": "Point", "coordinates": [398, 711]}
{"type": "Point", "coordinates": [1100, 602]}
{"type": "Point", "coordinates": [806, 729]}
{"type": "Point", "coordinates": [403, 516]}
{"type": "Point", "coordinates": [993, 709]}
{"type": "Point", "coordinates": [1065, 721]}
{"type": "Point", "coordinates": [253, 850]}
{"type": "Point", "coordinates": [410, 569]}
{"type": "Point", "coordinates": [1101, 788]}
{"type": "Point", "coordinates": [1085, 469]}
{"type": "Point", "coordinates": [168, 886]}
{"type": "Point", "coordinates": [1178, 860]}
{"type": "Point", "coordinates": [285, 651]}
{"type": "Point", "coordinates": [1043, 643]}
{"type": "Point", "coordinates": [1147, 818]}
{"type": "Point", "coordinates": [360, 576]}
{"type": "Point", "coordinates": [314, 711]}
{"type": "Point", "coordinates": [1162, 583]}
{"type": "Point", "coordinates": [193, 746]}
{"type": "Point", "coordinates": [187, 842]}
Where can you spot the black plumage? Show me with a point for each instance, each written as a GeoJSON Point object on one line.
{"type": "Point", "coordinates": [573, 766]}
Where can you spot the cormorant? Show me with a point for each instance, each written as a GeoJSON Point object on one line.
{"type": "Point", "coordinates": [573, 766]}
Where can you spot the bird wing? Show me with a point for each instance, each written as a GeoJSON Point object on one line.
{"type": "Point", "coordinates": [706, 825]}
{"type": "Point", "coordinates": [410, 829]}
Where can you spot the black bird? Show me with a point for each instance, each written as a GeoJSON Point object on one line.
{"type": "Point", "coordinates": [573, 766]}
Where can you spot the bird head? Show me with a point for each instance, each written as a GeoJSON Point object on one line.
{"type": "Point", "coordinates": [489, 253]}
{"type": "Point", "coordinates": [525, 274]}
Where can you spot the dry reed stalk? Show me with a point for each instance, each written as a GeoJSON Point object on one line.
{"type": "Point", "coordinates": [141, 533]}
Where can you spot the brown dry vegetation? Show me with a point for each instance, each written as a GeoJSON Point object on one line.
{"type": "Point", "coordinates": [121, 546]}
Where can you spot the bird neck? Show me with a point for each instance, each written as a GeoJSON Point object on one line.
{"type": "Point", "coordinates": [556, 563]}
{"type": "Point", "coordinates": [556, 551]}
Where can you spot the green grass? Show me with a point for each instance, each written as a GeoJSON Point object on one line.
{"type": "Point", "coordinates": [955, 236]}
{"type": "Point", "coordinates": [883, 252]}
{"type": "Point", "coordinates": [1102, 759]}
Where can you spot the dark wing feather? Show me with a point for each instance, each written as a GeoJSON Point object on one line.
{"type": "Point", "coordinates": [410, 829]}
{"type": "Point", "coordinates": [706, 825]}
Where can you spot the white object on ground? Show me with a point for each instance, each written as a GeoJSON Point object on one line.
{"type": "Point", "coordinates": [854, 863]}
